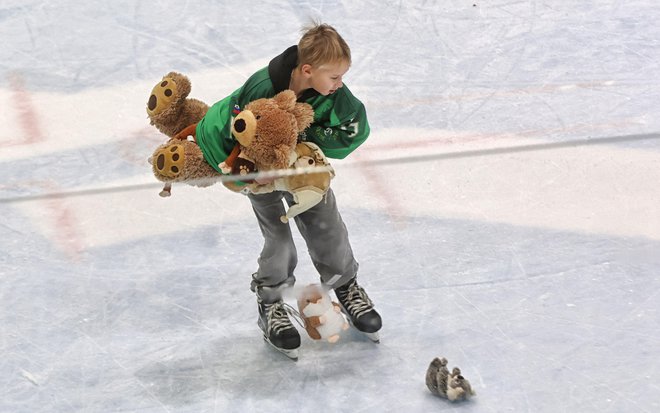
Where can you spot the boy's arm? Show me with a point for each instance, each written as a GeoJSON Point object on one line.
{"type": "Point", "coordinates": [339, 141]}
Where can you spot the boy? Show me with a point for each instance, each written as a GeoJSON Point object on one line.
{"type": "Point", "coordinates": [313, 70]}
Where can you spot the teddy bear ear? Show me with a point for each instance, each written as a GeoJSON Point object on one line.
{"type": "Point", "coordinates": [183, 84]}
{"type": "Point", "coordinates": [303, 112]}
{"type": "Point", "coordinates": [285, 100]}
{"type": "Point", "coordinates": [304, 115]}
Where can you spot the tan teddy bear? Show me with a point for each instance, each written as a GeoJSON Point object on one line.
{"type": "Point", "coordinates": [308, 189]}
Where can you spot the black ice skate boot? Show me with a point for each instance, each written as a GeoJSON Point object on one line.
{"type": "Point", "coordinates": [278, 330]}
{"type": "Point", "coordinates": [360, 310]}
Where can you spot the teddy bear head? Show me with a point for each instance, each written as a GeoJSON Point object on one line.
{"type": "Point", "coordinates": [267, 129]}
{"type": "Point", "coordinates": [457, 386]}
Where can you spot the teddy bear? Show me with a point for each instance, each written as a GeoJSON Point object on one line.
{"type": "Point", "coordinates": [173, 113]}
{"type": "Point", "coordinates": [266, 137]}
{"type": "Point", "coordinates": [322, 317]}
{"type": "Point", "coordinates": [452, 386]}
{"type": "Point", "coordinates": [308, 189]}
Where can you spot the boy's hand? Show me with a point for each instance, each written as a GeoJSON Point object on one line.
{"type": "Point", "coordinates": [264, 181]}
{"type": "Point", "coordinates": [256, 188]}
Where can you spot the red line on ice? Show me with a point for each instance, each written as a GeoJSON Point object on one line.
{"type": "Point", "coordinates": [66, 235]}
{"type": "Point", "coordinates": [25, 111]}
{"type": "Point", "coordinates": [379, 186]}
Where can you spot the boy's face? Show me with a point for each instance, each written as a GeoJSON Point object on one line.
{"type": "Point", "coordinates": [327, 78]}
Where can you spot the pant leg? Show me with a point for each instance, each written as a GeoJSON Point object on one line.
{"type": "Point", "coordinates": [326, 236]}
{"type": "Point", "coordinates": [278, 258]}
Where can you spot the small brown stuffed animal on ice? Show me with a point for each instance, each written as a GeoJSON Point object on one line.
{"type": "Point", "coordinates": [323, 317]}
{"type": "Point", "coordinates": [450, 386]}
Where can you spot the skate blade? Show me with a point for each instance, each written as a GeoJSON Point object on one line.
{"type": "Point", "coordinates": [375, 337]}
{"type": "Point", "coordinates": [290, 353]}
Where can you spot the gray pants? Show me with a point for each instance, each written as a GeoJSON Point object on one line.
{"type": "Point", "coordinates": [324, 233]}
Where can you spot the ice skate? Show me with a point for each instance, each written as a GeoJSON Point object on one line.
{"type": "Point", "coordinates": [278, 330]}
{"type": "Point", "coordinates": [355, 303]}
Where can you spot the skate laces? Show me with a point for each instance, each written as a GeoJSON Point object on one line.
{"type": "Point", "coordinates": [356, 300]}
{"type": "Point", "coordinates": [277, 315]}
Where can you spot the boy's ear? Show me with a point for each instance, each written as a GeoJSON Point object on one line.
{"type": "Point", "coordinates": [306, 70]}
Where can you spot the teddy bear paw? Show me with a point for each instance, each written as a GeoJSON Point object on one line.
{"type": "Point", "coordinates": [169, 161]}
{"type": "Point", "coordinates": [243, 170]}
{"type": "Point", "coordinates": [162, 96]}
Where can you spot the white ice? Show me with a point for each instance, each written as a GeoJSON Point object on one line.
{"type": "Point", "coordinates": [487, 230]}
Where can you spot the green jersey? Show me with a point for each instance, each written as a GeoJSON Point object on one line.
{"type": "Point", "coordinates": [340, 120]}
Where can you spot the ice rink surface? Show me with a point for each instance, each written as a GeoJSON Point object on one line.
{"type": "Point", "coordinates": [505, 210]}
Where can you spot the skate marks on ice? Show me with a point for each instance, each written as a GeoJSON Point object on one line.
{"type": "Point", "coordinates": [141, 325]}
{"type": "Point", "coordinates": [543, 305]}
{"type": "Point", "coordinates": [242, 372]}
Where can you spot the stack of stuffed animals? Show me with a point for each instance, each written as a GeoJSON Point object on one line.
{"type": "Point", "coordinates": [276, 122]}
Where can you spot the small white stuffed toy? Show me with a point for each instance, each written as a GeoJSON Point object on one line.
{"type": "Point", "coordinates": [322, 316]}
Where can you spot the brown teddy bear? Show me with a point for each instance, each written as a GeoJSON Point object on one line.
{"type": "Point", "coordinates": [267, 133]}
{"type": "Point", "coordinates": [173, 113]}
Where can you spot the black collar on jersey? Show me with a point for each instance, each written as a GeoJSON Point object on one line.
{"type": "Point", "coordinates": [280, 68]}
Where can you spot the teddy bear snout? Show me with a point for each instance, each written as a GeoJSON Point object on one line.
{"type": "Point", "coordinates": [244, 127]}
{"type": "Point", "coordinates": [239, 125]}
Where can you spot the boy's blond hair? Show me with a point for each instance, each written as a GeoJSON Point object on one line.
{"type": "Point", "coordinates": [321, 44]}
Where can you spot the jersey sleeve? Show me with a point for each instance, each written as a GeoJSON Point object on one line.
{"type": "Point", "coordinates": [339, 140]}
